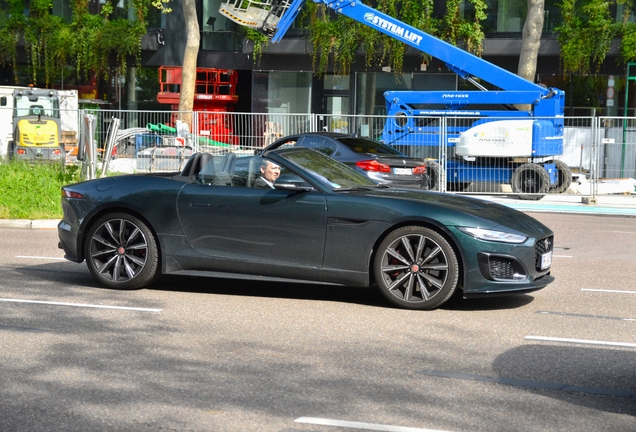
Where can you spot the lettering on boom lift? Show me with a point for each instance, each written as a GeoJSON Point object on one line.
{"type": "Point", "coordinates": [392, 27]}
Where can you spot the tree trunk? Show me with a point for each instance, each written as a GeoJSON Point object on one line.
{"type": "Point", "coordinates": [530, 43]}
{"type": "Point", "coordinates": [189, 68]}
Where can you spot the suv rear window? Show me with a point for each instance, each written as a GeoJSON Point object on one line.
{"type": "Point", "coordinates": [361, 145]}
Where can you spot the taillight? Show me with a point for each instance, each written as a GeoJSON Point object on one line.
{"type": "Point", "coordinates": [419, 170]}
{"type": "Point", "coordinates": [22, 151]}
{"type": "Point", "coordinates": [71, 194]}
{"type": "Point", "coordinates": [57, 152]}
{"type": "Point", "coordinates": [373, 165]}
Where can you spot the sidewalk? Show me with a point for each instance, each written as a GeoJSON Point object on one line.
{"type": "Point", "coordinates": [615, 204]}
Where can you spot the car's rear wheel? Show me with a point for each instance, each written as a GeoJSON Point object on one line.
{"type": "Point", "coordinates": [416, 268]}
{"type": "Point", "coordinates": [121, 252]}
{"type": "Point", "coordinates": [432, 171]}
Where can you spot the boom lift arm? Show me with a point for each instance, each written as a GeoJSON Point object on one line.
{"type": "Point", "coordinates": [506, 146]}
{"type": "Point", "coordinates": [463, 63]}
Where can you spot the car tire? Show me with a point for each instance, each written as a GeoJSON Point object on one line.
{"type": "Point", "coordinates": [432, 171]}
{"type": "Point", "coordinates": [531, 181]}
{"type": "Point", "coordinates": [416, 268]}
{"type": "Point", "coordinates": [564, 177]}
{"type": "Point", "coordinates": [121, 252]}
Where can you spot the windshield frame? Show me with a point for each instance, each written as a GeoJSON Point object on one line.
{"type": "Point", "coordinates": [324, 172]}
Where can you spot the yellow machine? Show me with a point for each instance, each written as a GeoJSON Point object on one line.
{"type": "Point", "coordinates": [36, 126]}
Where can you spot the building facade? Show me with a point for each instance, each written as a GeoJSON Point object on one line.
{"type": "Point", "coordinates": [282, 79]}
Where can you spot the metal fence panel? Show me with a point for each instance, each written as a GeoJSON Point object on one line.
{"type": "Point", "coordinates": [618, 148]}
{"type": "Point", "coordinates": [594, 148]}
{"type": "Point", "coordinates": [578, 139]}
{"type": "Point", "coordinates": [615, 147]}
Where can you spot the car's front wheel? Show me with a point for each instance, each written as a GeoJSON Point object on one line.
{"type": "Point", "coordinates": [416, 268]}
{"type": "Point", "coordinates": [121, 252]}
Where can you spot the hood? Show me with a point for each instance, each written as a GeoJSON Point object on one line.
{"type": "Point", "coordinates": [456, 209]}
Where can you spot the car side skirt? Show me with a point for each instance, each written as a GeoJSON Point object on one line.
{"type": "Point", "coordinates": [213, 274]}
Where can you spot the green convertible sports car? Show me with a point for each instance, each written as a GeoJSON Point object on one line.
{"type": "Point", "coordinates": [295, 214]}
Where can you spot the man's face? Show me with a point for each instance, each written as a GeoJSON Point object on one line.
{"type": "Point", "coordinates": [271, 172]}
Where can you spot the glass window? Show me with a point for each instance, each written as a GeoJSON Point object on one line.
{"type": "Point", "coordinates": [336, 82]}
{"type": "Point", "coordinates": [511, 15]}
{"type": "Point", "coordinates": [371, 87]}
{"type": "Point", "coordinates": [552, 15]}
{"type": "Point", "coordinates": [281, 92]}
{"type": "Point", "coordinates": [61, 8]}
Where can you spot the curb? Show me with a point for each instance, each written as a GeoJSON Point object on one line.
{"type": "Point", "coordinates": [29, 224]}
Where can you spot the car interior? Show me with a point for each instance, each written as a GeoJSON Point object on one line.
{"type": "Point", "coordinates": [222, 170]}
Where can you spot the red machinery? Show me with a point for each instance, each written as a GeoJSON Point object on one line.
{"type": "Point", "coordinates": [214, 95]}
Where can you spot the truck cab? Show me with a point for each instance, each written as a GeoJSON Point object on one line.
{"type": "Point", "coordinates": [36, 126]}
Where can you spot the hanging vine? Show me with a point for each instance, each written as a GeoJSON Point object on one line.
{"type": "Point", "coordinates": [89, 42]}
{"type": "Point", "coordinates": [336, 39]}
{"type": "Point", "coordinates": [260, 42]}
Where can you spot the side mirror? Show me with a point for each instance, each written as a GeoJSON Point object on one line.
{"type": "Point", "coordinates": [292, 182]}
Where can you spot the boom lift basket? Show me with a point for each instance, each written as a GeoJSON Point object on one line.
{"type": "Point", "coordinates": [261, 15]}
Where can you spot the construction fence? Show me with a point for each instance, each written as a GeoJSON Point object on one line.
{"type": "Point", "coordinates": [598, 150]}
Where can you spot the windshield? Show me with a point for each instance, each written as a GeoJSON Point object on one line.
{"type": "Point", "coordinates": [328, 171]}
{"type": "Point", "coordinates": [36, 105]}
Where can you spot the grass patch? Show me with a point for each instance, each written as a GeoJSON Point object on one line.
{"type": "Point", "coordinates": [33, 191]}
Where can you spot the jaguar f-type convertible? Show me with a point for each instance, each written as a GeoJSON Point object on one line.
{"type": "Point", "coordinates": [316, 221]}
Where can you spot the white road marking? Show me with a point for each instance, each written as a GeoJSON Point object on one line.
{"type": "Point", "coordinates": [360, 425]}
{"type": "Point", "coordinates": [582, 341]}
{"type": "Point", "coordinates": [611, 291]}
{"type": "Point", "coordinates": [40, 257]}
{"type": "Point", "coordinates": [577, 315]}
{"type": "Point", "coordinates": [81, 305]}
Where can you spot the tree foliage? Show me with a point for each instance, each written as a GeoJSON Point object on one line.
{"type": "Point", "coordinates": [587, 32]}
{"type": "Point", "coordinates": [88, 42]}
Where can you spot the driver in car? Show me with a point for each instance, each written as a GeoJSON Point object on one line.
{"type": "Point", "coordinates": [269, 173]}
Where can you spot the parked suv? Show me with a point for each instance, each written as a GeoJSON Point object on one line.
{"type": "Point", "coordinates": [377, 161]}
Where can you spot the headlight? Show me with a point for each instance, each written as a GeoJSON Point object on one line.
{"type": "Point", "coordinates": [496, 236]}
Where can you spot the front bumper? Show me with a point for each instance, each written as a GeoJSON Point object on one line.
{"type": "Point", "coordinates": [493, 269]}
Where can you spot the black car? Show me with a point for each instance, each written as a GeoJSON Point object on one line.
{"type": "Point", "coordinates": [320, 221]}
{"type": "Point", "coordinates": [378, 161]}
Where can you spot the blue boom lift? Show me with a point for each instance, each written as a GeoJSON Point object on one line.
{"type": "Point", "coordinates": [500, 144]}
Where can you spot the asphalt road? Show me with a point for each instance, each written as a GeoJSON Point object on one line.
{"type": "Point", "coordinates": [222, 355]}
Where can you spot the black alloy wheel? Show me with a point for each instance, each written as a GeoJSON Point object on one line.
{"type": "Point", "coordinates": [530, 181]}
{"type": "Point", "coordinates": [416, 268]}
{"type": "Point", "coordinates": [121, 252]}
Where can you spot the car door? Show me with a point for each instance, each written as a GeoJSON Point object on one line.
{"type": "Point", "coordinates": [253, 224]}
